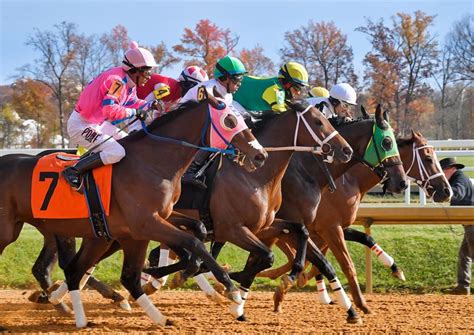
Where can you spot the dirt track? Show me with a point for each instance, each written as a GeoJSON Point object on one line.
{"type": "Point", "coordinates": [193, 313]}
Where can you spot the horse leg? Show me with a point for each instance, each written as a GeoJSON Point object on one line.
{"type": "Point", "coordinates": [315, 256]}
{"type": "Point", "coordinates": [384, 258]}
{"type": "Point", "coordinates": [334, 236]}
{"type": "Point", "coordinates": [297, 234]}
{"type": "Point", "coordinates": [134, 257]}
{"type": "Point", "coordinates": [43, 268]}
{"type": "Point", "coordinates": [261, 257]}
{"type": "Point", "coordinates": [177, 239]}
{"type": "Point", "coordinates": [278, 272]}
{"type": "Point", "coordinates": [89, 254]}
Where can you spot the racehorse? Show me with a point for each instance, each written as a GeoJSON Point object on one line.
{"type": "Point", "coordinates": [145, 186]}
{"type": "Point", "coordinates": [304, 126]}
{"type": "Point", "coordinates": [338, 210]}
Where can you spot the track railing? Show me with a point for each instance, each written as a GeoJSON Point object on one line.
{"type": "Point", "coordinates": [400, 214]}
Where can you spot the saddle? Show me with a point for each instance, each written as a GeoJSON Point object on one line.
{"type": "Point", "coordinates": [193, 197]}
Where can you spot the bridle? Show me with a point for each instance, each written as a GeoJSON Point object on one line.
{"type": "Point", "coordinates": [425, 178]}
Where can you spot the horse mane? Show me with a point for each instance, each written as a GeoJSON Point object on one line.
{"type": "Point", "coordinates": [162, 120]}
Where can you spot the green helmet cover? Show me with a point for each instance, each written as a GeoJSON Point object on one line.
{"type": "Point", "coordinates": [231, 65]}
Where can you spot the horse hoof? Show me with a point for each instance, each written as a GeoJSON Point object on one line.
{"type": "Point", "coordinates": [177, 281]}
{"type": "Point", "coordinates": [39, 297]}
{"type": "Point", "coordinates": [169, 322]}
{"type": "Point", "coordinates": [286, 283]}
{"type": "Point", "coordinates": [399, 275]}
{"type": "Point", "coordinates": [149, 289]}
{"type": "Point", "coordinates": [234, 296]}
{"type": "Point", "coordinates": [63, 309]}
{"type": "Point", "coordinates": [301, 280]}
{"type": "Point", "coordinates": [220, 288]}
{"type": "Point", "coordinates": [125, 305]}
{"type": "Point", "coordinates": [332, 303]}
{"type": "Point", "coordinates": [354, 319]}
{"type": "Point", "coordinates": [277, 299]}
{"type": "Point", "coordinates": [217, 298]}
{"type": "Point", "coordinates": [242, 318]}
{"type": "Point", "coordinates": [365, 309]}
{"type": "Point", "coordinates": [3, 329]}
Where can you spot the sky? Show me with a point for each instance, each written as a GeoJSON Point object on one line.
{"type": "Point", "coordinates": [261, 22]}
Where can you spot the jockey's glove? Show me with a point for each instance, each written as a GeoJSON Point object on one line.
{"type": "Point", "coordinates": [141, 114]}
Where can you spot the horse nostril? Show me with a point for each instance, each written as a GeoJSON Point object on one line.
{"type": "Point", "coordinates": [446, 191]}
{"type": "Point", "coordinates": [403, 184]}
{"type": "Point", "coordinates": [348, 151]}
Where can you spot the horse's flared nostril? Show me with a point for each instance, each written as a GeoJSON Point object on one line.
{"type": "Point", "coordinates": [446, 191]}
{"type": "Point", "coordinates": [347, 151]}
{"type": "Point", "coordinates": [259, 160]}
{"type": "Point", "coordinates": [403, 185]}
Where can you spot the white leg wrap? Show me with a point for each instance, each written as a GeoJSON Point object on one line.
{"type": "Point", "coordinates": [144, 278]}
{"type": "Point", "coordinates": [80, 315]}
{"type": "Point", "coordinates": [384, 258]}
{"type": "Point", "coordinates": [237, 310]}
{"type": "Point", "coordinates": [58, 295]}
{"type": "Point", "coordinates": [323, 295]}
{"type": "Point", "coordinates": [86, 277]}
{"type": "Point", "coordinates": [340, 295]}
{"type": "Point", "coordinates": [164, 261]}
{"type": "Point", "coordinates": [151, 310]}
{"type": "Point", "coordinates": [204, 284]}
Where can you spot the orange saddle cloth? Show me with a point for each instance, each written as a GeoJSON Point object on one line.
{"type": "Point", "coordinates": [53, 198]}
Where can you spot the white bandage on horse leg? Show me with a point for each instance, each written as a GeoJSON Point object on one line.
{"type": "Point", "coordinates": [86, 277]}
{"type": "Point", "coordinates": [385, 258]}
{"type": "Point", "coordinates": [58, 295]}
{"type": "Point", "coordinates": [340, 295]}
{"type": "Point", "coordinates": [151, 310]}
{"type": "Point", "coordinates": [237, 310]}
{"type": "Point", "coordinates": [163, 261]}
{"type": "Point", "coordinates": [79, 314]}
{"type": "Point", "coordinates": [323, 295]}
{"type": "Point", "coordinates": [204, 284]}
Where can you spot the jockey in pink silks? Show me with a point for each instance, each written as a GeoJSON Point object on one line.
{"type": "Point", "coordinates": [110, 96]}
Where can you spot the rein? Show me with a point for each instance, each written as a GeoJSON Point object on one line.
{"type": "Point", "coordinates": [425, 177]}
{"type": "Point", "coordinates": [231, 152]}
{"type": "Point", "coordinates": [324, 147]}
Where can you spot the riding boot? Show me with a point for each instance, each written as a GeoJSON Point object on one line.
{"type": "Point", "coordinates": [190, 176]}
{"type": "Point", "coordinates": [72, 174]}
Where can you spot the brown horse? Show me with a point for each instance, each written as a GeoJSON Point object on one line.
{"type": "Point", "coordinates": [338, 210]}
{"type": "Point", "coordinates": [144, 189]}
{"type": "Point", "coordinates": [304, 126]}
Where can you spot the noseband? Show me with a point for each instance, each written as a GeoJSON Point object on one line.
{"type": "Point", "coordinates": [425, 178]}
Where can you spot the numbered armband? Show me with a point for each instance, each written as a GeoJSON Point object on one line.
{"type": "Point", "coordinates": [201, 93]}
{"type": "Point", "coordinates": [116, 89]}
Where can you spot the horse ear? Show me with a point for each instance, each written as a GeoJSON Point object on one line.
{"type": "Point", "coordinates": [386, 115]}
{"type": "Point", "coordinates": [216, 93]}
{"type": "Point", "coordinates": [365, 115]}
{"type": "Point", "coordinates": [380, 119]}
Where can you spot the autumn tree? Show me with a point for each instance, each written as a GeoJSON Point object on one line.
{"type": "Point", "coordinates": [414, 52]}
{"type": "Point", "coordinates": [164, 58]}
{"type": "Point", "coordinates": [117, 43]}
{"type": "Point", "coordinates": [10, 126]}
{"type": "Point", "coordinates": [256, 63]}
{"type": "Point", "coordinates": [57, 50]}
{"type": "Point", "coordinates": [204, 45]}
{"type": "Point", "coordinates": [322, 48]}
{"type": "Point", "coordinates": [33, 100]}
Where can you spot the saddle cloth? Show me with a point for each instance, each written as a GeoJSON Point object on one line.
{"type": "Point", "coordinates": [53, 198]}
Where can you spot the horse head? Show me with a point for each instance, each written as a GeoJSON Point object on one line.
{"type": "Point", "coordinates": [318, 130]}
{"type": "Point", "coordinates": [385, 155]}
{"type": "Point", "coordinates": [249, 152]}
{"type": "Point", "coordinates": [423, 167]}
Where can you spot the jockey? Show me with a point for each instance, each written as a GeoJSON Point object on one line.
{"type": "Point", "coordinates": [228, 75]}
{"type": "Point", "coordinates": [110, 96]}
{"type": "Point", "coordinates": [189, 77]}
{"type": "Point", "coordinates": [169, 90]}
{"type": "Point", "coordinates": [258, 95]}
{"type": "Point", "coordinates": [341, 97]}
{"type": "Point", "coordinates": [318, 92]}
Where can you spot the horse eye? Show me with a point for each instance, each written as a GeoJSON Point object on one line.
{"type": "Point", "coordinates": [429, 159]}
{"type": "Point", "coordinates": [387, 143]}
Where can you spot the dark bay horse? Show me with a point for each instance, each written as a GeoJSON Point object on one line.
{"type": "Point", "coordinates": [145, 186]}
{"type": "Point", "coordinates": [338, 210]}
